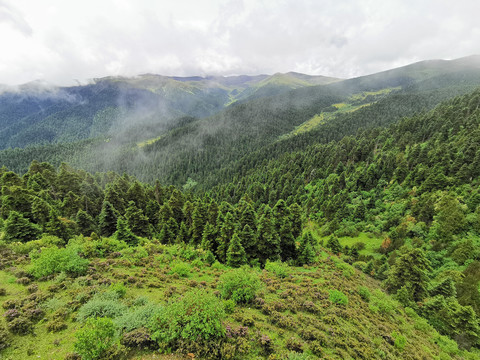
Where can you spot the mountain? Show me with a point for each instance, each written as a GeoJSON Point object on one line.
{"type": "Point", "coordinates": [39, 113]}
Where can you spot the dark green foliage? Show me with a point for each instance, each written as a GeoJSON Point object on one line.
{"type": "Point", "coordinates": [334, 245]}
{"type": "Point", "coordinates": [236, 255]}
{"type": "Point", "coordinates": [137, 221]}
{"type": "Point", "coordinates": [446, 288]}
{"type": "Point", "coordinates": [411, 269]}
{"type": "Point", "coordinates": [268, 244]}
{"type": "Point", "coordinates": [17, 228]}
{"type": "Point", "coordinates": [107, 220]}
{"type": "Point", "coordinates": [124, 233]}
{"type": "Point", "coordinates": [95, 338]}
{"type": "Point", "coordinates": [306, 252]}
{"type": "Point", "coordinates": [85, 223]}
{"type": "Point", "coordinates": [226, 232]}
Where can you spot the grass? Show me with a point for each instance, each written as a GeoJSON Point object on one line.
{"type": "Point", "coordinates": [295, 310]}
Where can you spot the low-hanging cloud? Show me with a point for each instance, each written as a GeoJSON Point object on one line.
{"type": "Point", "coordinates": [61, 41]}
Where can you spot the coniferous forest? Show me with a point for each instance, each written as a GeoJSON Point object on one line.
{"type": "Point", "coordinates": [332, 220]}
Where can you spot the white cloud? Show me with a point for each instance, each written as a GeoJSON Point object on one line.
{"type": "Point", "coordinates": [64, 40]}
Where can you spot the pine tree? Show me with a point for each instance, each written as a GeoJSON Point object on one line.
{"type": "Point", "coordinates": [198, 223]}
{"type": "Point", "coordinates": [137, 221]}
{"type": "Point", "coordinates": [248, 238]}
{"type": "Point", "coordinates": [225, 236]}
{"type": "Point", "coordinates": [268, 244]}
{"type": "Point", "coordinates": [107, 219]}
{"type": "Point", "coordinates": [236, 256]}
{"type": "Point", "coordinates": [283, 225]}
{"type": "Point", "coordinates": [334, 245]}
{"type": "Point", "coordinates": [209, 238]}
{"type": "Point", "coordinates": [56, 226]}
{"type": "Point", "coordinates": [17, 228]}
{"type": "Point", "coordinates": [411, 269]}
{"type": "Point", "coordinates": [183, 236]}
{"type": "Point", "coordinates": [306, 252]}
{"type": "Point", "coordinates": [85, 223]}
{"type": "Point", "coordinates": [124, 233]}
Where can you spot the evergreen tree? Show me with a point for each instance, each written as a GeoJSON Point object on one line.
{"type": "Point", "coordinates": [209, 238]}
{"type": "Point", "coordinates": [334, 245]}
{"type": "Point", "coordinates": [283, 225]}
{"type": "Point", "coordinates": [236, 256]}
{"type": "Point", "coordinates": [57, 226]}
{"type": "Point", "coordinates": [198, 223]}
{"type": "Point", "coordinates": [268, 244]}
{"type": "Point", "coordinates": [17, 228]}
{"type": "Point", "coordinates": [249, 240]}
{"type": "Point", "coordinates": [225, 236]}
{"type": "Point", "coordinates": [306, 252]}
{"type": "Point", "coordinates": [85, 223]}
{"type": "Point", "coordinates": [124, 233]}
{"type": "Point", "coordinates": [107, 220]}
{"type": "Point", "coordinates": [183, 236]}
{"type": "Point", "coordinates": [411, 269]}
{"type": "Point", "coordinates": [137, 221]}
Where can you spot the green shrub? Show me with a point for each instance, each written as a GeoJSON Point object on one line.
{"type": "Point", "coordinates": [99, 307]}
{"type": "Point", "coordinates": [299, 356]}
{"type": "Point", "coordinates": [382, 303]}
{"type": "Point", "coordinates": [95, 338]}
{"type": "Point", "coordinates": [229, 306]}
{"type": "Point", "coordinates": [400, 341]}
{"type": "Point", "coordinates": [54, 260]}
{"type": "Point", "coordinates": [119, 288]}
{"type": "Point", "coordinates": [239, 285]}
{"type": "Point", "coordinates": [347, 270]}
{"type": "Point", "coordinates": [279, 268]}
{"type": "Point", "coordinates": [135, 318]}
{"type": "Point", "coordinates": [337, 297]}
{"type": "Point", "coordinates": [138, 338]}
{"type": "Point", "coordinates": [364, 293]}
{"type": "Point", "coordinates": [181, 269]}
{"type": "Point", "coordinates": [4, 338]}
{"type": "Point", "coordinates": [196, 317]}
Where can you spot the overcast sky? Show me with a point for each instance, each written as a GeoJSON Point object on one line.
{"type": "Point", "coordinates": [59, 40]}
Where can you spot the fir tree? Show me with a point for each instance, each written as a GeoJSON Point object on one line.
{"type": "Point", "coordinates": [268, 244]}
{"type": "Point", "coordinates": [124, 233]}
{"type": "Point", "coordinates": [225, 236]}
{"type": "Point", "coordinates": [17, 228]}
{"type": "Point", "coordinates": [85, 223]}
{"type": "Point", "coordinates": [306, 252]}
{"type": "Point", "coordinates": [208, 238]}
{"type": "Point", "coordinates": [236, 256]}
{"type": "Point", "coordinates": [137, 221]}
{"type": "Point", "coordinates": [334, 245]}
{"type": "Point", "coordinates": [248, 238]}
{"type": "Point", "coordinates": [107, 219]}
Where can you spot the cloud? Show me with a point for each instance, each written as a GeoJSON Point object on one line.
{"type": "Point", "coordinates": [60, 41]}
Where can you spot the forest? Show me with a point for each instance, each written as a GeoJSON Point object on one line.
{"type": "Point", "coordinates": [357, 239]}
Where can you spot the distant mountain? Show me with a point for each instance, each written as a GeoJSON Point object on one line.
{"type": "Point", "coordinates": [39, 113]}
{"type": "Point", "coordinates": [208, 128]}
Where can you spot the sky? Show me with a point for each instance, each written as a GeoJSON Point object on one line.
{"type": "Point", "coordinates": [65, 42]}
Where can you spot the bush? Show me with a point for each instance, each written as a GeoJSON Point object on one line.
{"type": "Point", "coordinates": [20, 325]}
{"type": "Point", "coordinates": [54, 260]}
{"type": "Point", "coordinates": [196, 317]}
{"type": "Point", "coordinates": [239, 285]}
{"type": "Point", "coordinates": [400, 341]}
{"type": "Point", "coordinates": [382, 303]}
{"type": "Point", "coordinates": [99, 307]}
{"type": "Point", "coordinates": [138, 338]}
{"type": "Point", "coordinates": [181, 269]}
{"type": "Point", "coordinates": [136, 318]}
{"type": "Point", "coordinates": [338, 297]}
{"type": "Point", "coordinates": [95, 338]}
{"type": "Point", "coordinates": [278, 268]}
{"type": "Point", "coordinates": [4, 338]}
{"type": "Point", "coordinates": [364, 293]}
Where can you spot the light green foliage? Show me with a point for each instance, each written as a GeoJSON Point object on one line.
{"type": "Point", "coordinates": [119, 288]}
{"type": "Point", "coordinates": [102, 305]}
{"type": "Point", "coordinates": [136, 318]}
{"type": "Point", "coordinates": [347, 270]}
{"type": "Point", "coordinates": [279, 268]}
{"type": "Point", "coordinates": [94, 338]}
{"type": "Point", "coordinates": [382, 303]}
{"type": "Point", "coordinates": [181, 268]}
{"type": "Point", "coordinates": [195, 317]}
{"type": "Point", "coordinates": [337, 297]}
{"type": "Point", "coordinates": [54, 260]}
{"type": "Point", "coordinates": [400, 341]}
{"type": "Point", "coordinates": [364, 293]}
{"type": "Point", "coordinates": [239, 285]}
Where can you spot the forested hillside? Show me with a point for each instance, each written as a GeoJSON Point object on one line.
{"type": "Point", "coordinates": [339, 221]}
